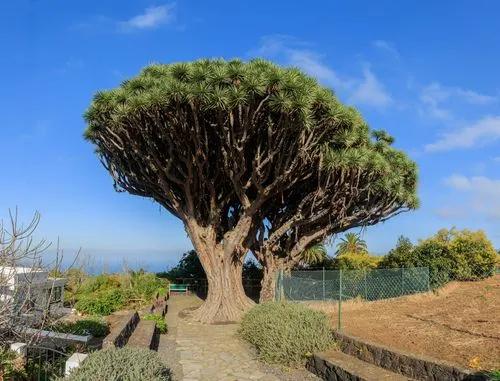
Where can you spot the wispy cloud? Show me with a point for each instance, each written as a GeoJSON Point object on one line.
{"type": "Point", "coordinates": [436, 99]}
{"type": "Point", "coordinates": [364, 90]}
{"type": "Point", "coordinates": [482, 132]}
{"type": "Point", "coordinates": [152, 17]}
{"type": "Point", "coordinates": [484, 191]}
{"type": "Point", "coordinates": [388, 47]}
{"type": "Point", "coordinates": [370, 91]}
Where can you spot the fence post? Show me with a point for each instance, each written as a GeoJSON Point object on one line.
{"type": "Point", "coordinates": [366, 287]}
{"type": "Point", "coordinates": [402, 281]}
{"type": "Point", "coordinates": [323, 283]}
{"type": "Point", "coordinates": [339, 326]}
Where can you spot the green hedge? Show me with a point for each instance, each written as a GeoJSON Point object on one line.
{"type": "Point", "coordinates": [286, 333]}
{"type": "Point", "coordinates": [124, 364]}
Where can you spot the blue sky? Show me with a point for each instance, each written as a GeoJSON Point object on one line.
{"type": "Point", "coordinates": [426, 71]}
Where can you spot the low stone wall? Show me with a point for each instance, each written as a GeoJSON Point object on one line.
{"type": "Point", "coordinates": [416, 367]}
{"type": "Point", "coordinates": [119, 335]}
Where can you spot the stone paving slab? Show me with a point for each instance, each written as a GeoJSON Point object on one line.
{"type": "Point", "coordinates": [216, 353]}
{"type": "Point", "coordinates": [207, 353]}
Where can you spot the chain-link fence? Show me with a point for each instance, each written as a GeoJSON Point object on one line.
{"type": "Point", "coordinates": [340, 285]}
{"type": "Point", "coordinates": [369, 285]}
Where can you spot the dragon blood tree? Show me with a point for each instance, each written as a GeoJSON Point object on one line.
{"type": "Point", "coordinates": [251, 157]}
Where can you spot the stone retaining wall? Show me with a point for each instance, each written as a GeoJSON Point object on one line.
{"type": "Point", "coordinates": [416, 367]}
{"type": "Point", "coordinates": [119, 335]}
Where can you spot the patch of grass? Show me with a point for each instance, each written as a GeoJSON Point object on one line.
{"type": "Point", "coordinates": [161, 324]}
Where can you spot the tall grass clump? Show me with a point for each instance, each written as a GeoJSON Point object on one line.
{"type": "Point", "coordinates": [286, 333]}
{"type": "Point", "coordinates": [124, 364]}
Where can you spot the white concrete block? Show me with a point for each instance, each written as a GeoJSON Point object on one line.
{"type": "Point", "coordinates": [74, 362]}
{"type": "Point", "coordinates": [19, 348]}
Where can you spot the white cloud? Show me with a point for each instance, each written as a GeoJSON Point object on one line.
{"type": "Point", "coordinates": [152, 17]}
{"type": "Point", "coordinates": [387, 47]}
{"type": "Point", "coordinates": [497, 159]}
{"type": "Point", "coordinates": [484, 191]}
{"type": "Point", "coordinates": [484, 131]}
{"type": "Point", "coordinates": [435, 98]}
{"type": "Point", "coordinates": [366, 90]}
{"type": "Point", "coordinates": [370, 91]}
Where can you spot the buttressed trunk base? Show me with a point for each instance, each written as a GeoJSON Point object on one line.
{"type": "Point", "coordinates": [226, 299]}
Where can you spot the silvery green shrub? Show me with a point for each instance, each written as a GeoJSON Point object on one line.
{"type": "Point", "coordinates": [286, 333]}
{"type": "Point", "coordinates": [124, 364]}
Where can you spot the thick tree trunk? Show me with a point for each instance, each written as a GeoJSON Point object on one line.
{"type": "Point", "coordinates": [226, 300]}
{"type": "Point", "coordinates": [268, 283]}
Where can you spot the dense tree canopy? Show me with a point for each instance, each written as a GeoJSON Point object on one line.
{"type": "Point", "coordinates": [250, 156]}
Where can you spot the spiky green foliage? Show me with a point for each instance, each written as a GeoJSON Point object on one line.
{"type": "Point", "coordinates": [251, 148]}
{"type": "Point", "coordinates": [352, 243]}
{"type": "Point", "coordinates": [126, 364]}
{"type": "Point", "coordinates": [314, 254]}
{"type": "Point", "coordinates": [286, 333]}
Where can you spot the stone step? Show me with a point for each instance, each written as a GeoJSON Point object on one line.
{"type": "Point", "coordinates": [335, 365]}
{"type": "Point", "coordinates": [145, 335]}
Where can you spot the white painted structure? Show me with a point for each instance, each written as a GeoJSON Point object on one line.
{"type": "Point", "coordinates": [74, 362]}
{"type": "Point", "coordinates": [30, 290]}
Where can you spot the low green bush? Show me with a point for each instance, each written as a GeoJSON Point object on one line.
{"type": "Point", "coordinates": [102, 303]}
{"type": "Point", "coordinates": [161, 324]}
{"type": "Point", "coordinates": [286, 333]}
{"type": "Point", "coordinates": [93, 325]}
{"type": "Point", "coordinates": [124, 364]}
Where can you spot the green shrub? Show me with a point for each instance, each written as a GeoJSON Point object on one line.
{"type": "Point", "coordinates": [125, 364]}
{"type": "Point", "coordinates": [475, 254]}
{"type": "Point", "coordinates": [105, 293]}
{"type": "Point", "coordinates": [161, 324]}
{"type": "Point", "coordinates": [146, 285]}
{"type": "Point", "coordinates": [356, 261]}
{"type": "Point", "coordinates": [400, 256]}
{"type": "Point", "coordinates": [94, 325]}
{"type": "Point", "coordinates": [286, 333]}
{"type": "Point", "coordinates": [450, 255]}
{"type": "Point", "coordinates": [102, 303]}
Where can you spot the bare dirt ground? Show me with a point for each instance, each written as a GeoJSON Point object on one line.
{"type": "Point", "coordinates": [460, 323]}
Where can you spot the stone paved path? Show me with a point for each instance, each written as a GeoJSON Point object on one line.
{"type": "Point", "coordinates": [207, 353]}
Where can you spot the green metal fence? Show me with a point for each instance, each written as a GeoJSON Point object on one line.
{"type": "Point", "coordinates": [341, 285]}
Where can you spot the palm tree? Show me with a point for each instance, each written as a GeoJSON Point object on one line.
{"type": "Point", "coordinates": [314, 254]}
{"type": "Point", "coordinates": [352, 243]}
